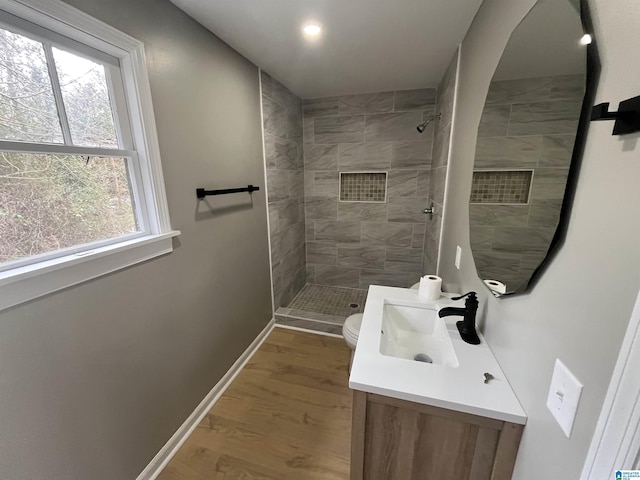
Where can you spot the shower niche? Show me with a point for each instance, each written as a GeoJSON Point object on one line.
{"type": "Point", "coordinates": [368, 187]}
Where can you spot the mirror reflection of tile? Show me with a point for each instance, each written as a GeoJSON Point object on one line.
{"type": "Point", "coordinates": [528, 125]}
{"type": "Point", "coordinates": [501, 186]}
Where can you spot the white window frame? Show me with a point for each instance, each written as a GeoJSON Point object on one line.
{"type": "Point", "coordinates": [55, 272]}
{"type": "Point", "coordinates": [125, 149]}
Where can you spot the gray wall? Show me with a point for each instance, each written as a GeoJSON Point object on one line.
{"type": "Point", "coordinates": [282, 117]}
{"type": "Point", "coordinates": [359, 244]}
{"type": "Point", "coordinates": [579, 310]}
{"type": "Point", "coordinates": [439, 165]}
{"type": "Point", "coordinates": [95, 379]}
{"type": "Point", "coordinates": [528, 123]}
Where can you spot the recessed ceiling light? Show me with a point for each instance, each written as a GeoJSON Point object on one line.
{"type": "Point", "coordinates": [312, 29]}
{"type": "Point", "coordinates": [586, 39]}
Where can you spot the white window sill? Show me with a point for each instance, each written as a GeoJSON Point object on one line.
{"type": "Point", "coordinates": [26, 283]}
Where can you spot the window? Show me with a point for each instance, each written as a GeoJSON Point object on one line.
{"type": "Point", "coordinates": [52, 197]}
{"type": "Point", "coordinates": [81, 186]}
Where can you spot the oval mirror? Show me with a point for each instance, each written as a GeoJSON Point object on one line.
{"type": "Point", "coordinates": [527, 148]}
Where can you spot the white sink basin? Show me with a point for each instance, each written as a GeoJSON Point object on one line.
{"type": "Point", "coordinates": [417, 334]}
{"type": "Point", "coordinates": [384, 364]}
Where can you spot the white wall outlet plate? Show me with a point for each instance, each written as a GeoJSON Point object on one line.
{"type": "Point", "coordinates": [458, 256]}
{"type": "Point", "coordinates": [564, 396]}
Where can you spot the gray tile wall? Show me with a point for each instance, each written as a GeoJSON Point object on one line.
{"type": "Point", "coordinates": [359, 244]}
{"type": "Point", "coordinates": [282, 117]}
{"type": "Point", "coordinates": [442, 129]}
{"type": "Point", "coordinates": [526, 123]}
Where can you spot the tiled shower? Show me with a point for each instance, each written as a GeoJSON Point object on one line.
{"type": "Point", "coordinates": [356, 244]}
{"type": "Point", "coordinates": [282, 127]}
{"type": "Point", "coordinates": [347, 180]}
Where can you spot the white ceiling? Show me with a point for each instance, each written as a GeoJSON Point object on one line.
{"type": "Point", "coordinates": [366, 45]}
{"type": "Point", "coordinates": [545, 43]}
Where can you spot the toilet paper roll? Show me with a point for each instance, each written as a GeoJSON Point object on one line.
{"type": "Point", "coordinates": [430, 287]}
{"type": "Point", "coordinates": [496, 286]}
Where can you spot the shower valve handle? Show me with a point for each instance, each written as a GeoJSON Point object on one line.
{"type": "Point", "coordinates": [429, 211]}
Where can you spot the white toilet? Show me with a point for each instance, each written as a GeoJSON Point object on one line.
{"type": "Point", "coordinates": [350, 332]}
{"type": "Point", "coordinates": [351, 329]}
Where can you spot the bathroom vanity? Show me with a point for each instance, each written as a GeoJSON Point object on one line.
{"type": "Point", "coordinates": [455, 417]}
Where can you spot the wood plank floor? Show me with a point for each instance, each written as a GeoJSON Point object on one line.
{"type": "Point", "coordinates": [287, 415]}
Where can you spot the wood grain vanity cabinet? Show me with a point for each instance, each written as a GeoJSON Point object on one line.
{"type": "Point", "coordinates": [399, 440]}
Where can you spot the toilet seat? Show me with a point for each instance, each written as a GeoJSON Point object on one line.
{"type": "Point", "coordinates": [351, 329]}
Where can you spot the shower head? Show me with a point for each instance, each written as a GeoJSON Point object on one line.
{"type": "Point", "coordinates": [423, 126]}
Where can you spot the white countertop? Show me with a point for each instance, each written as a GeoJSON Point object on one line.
{"type": "Point", "coordinates": [461, 389]}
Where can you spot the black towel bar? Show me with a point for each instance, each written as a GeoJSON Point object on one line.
{"type": "Point", "coordinates": [201, 192]}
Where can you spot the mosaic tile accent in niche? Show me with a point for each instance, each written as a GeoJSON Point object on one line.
{"type": "Point", "coordinates": [363, 187]}
{"type": "Point", "coordinates": [501, 186]}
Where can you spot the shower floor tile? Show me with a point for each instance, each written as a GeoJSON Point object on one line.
{"type": "Point", "coordinates": [328, 300]}
{"type": "Point", "coordinates": [322, 308]}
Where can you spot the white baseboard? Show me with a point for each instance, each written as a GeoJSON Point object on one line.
{"type": "Point", "coordinates": [167, 452]}
{"type": "Point", "coordinates": [307, 330]}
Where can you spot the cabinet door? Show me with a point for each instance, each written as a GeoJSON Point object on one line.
{"type": "Point", "coordinates": [397, 440]}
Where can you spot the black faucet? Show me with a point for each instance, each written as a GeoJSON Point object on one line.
{"type": "Point", "coordinates": [466, 327]}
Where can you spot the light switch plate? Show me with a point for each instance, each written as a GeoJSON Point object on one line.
{"type": "Point", "coordinates": [564, 396]}
{"type": "Point", "coordinates": [458, 256]}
